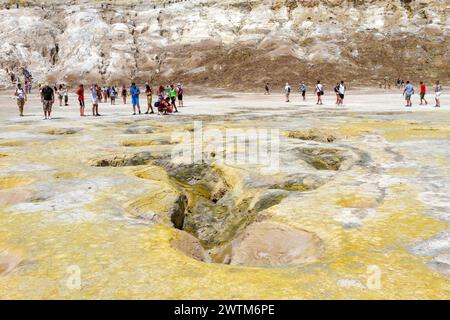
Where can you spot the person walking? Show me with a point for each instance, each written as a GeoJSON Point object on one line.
{"type": "Point", "coordinates": [423, 92]}
{"type": "Point", "coordinates": [80, 94]}
{"type": "Point", "coordinates": [105, 94]}
{"type": "Point", "coordinates": [124, 94]}
{"type": "Point", "coordinates": [12, 76]}
{"type": "Point", "coordinates": [287, 91]}
{"type": "Point", "coordinates": [26, 86]}
{"type": "Point", "coordinates": [60, 95]}
{"type": "Point", "coordinates": [438, 92]}
{"type": "Point", "coordinates": [267, 89]}
{"type": "Point", "coordinates": [303, 90]}
{"type": "Point", "coordinates": [113, 95]}
{"type": "Point", "coordinates": [319, 92]}
{"type": "Point", "coordinates": [99, 94]}
{"type": "Point", "coordinates": [66, 95]}
{"type": "Point", "coordinates": [47, 99]}
{"type": "Point", "coordinates": [135, 92]}
{"type": "Point", "coordinates": [408, 91]}
{"type": "Point", "coordinates": [341, 91]}
{"type": "Point", "coordinates": [21, 96]}
{"type": "Point", "coordinates": [336, 92]}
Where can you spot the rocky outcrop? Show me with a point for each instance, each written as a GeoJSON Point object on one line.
{"type": "Point", "coordinates": [123, 160]}
{"type": "Point", "coordinates": [268, 244]}
{"type": "Point", "coordinates": [223, 220]}
{"type": "Point", "coordinates": [233, 43]}
{"type": "Point", "coordinates": [190, 246]}
{"type": "Point", "coordinates": [312, 135]}
{"type": "Point", "coordinates": [10, 260]}
{"type": "Point", "coordinates": [441, 264]}
{"type": "Point", "coordinates": [323, 159]}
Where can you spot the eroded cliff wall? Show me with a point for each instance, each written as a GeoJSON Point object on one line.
{"type": "Point", "coordinates": [231, 43]}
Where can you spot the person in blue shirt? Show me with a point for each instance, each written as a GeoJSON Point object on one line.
{"type": "Point", "coordinates": [135, 92]}
{"type": "Point", "coordinates": [408, 92]}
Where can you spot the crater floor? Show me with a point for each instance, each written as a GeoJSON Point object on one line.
{"type": "Point", "coordinates": [357, 206]}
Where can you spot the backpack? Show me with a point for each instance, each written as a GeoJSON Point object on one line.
{"type": "Point", "coordinates": [320, 90]}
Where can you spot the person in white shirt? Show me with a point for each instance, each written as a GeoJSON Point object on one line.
{"type": "Point", "coordinates": [438, 92]}
{"type": "Point", "coordinates": [287, 91]}
{"type": "Point", "coordinates": [341, 90]}
{"type": "Point", "coordinates": [319, 92]}
{"type": "Point", "coordinates": [21, 96]}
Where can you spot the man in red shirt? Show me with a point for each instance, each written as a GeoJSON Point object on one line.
{"type": "Point", "coordinates": [423, 91]}
{"type": "Point", "coordinates": [80, 94]}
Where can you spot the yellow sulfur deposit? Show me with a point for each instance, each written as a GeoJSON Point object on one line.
{"type": "Point", "coordinates": [13, 182]}
{"type": "Point", "coordinates": [94, 214]}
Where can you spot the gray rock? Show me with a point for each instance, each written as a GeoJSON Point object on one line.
{"type": "Point", "coordinates": [441, 264]}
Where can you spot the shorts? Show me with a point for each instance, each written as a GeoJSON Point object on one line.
{"type": "Point", "coordinates": [438, 95]}
{"type": "Point", "coordinates": [180, 97]}
{"type": "Point", "coordinates": [47, 105]}
{"type": "Point", "coordinates": [95, 100]}
{"type": "Point", "coordinates": [341, 96]}
{"type": "Point", "coordinates": [149, 100]}
{"type": "Point", "coordinates": [135, 101]}
{"type": "Point", "coordinates": [81, 101]}
{"type": "Point", "coordinates": [173, 99]}
{"type": "Point", "coordinates": [303, 93]}
{"type": "Point", "coordinates": [408, 96]}
{"type": "Point", "coordinates": [20, 102]}
{"type": "Point", "coordinates": [422, 96]}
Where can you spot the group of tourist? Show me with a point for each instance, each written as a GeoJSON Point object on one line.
{"type": "Point", "coordinates": [340, 90]}
{"type": "Point", "coordinates": [169, 95]}
{"type": "Point", "coordinates": [166, 102]}
{"type": "Point", "coordinates": [24, 75]}
{"type": "Point", "coordinates": [408, 92]}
